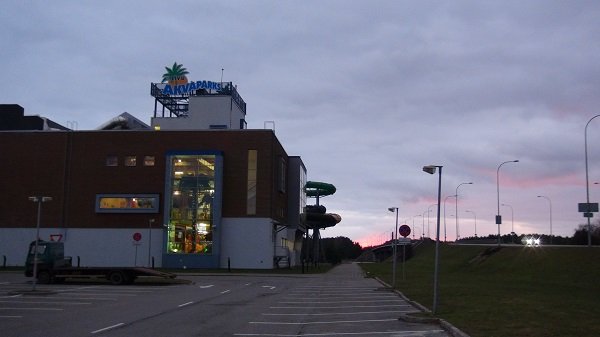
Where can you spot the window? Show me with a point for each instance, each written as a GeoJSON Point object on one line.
{"type": "Point", "coordinates": [251, 191]}
{"type": "Point", "coordinates": [112, 161]}
{"type": "Point", "coordinates": [130, 161]}
{"type": "Point", "coordinates": [127, 203]}
{"type": "Point", "coordinates": [282, 174]}
{"type": "Point", "coordinates": [192, 190]}
{"type": "Point", "coordinates": [148, 160]}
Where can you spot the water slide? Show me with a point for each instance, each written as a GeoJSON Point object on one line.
{"type": "Point", "coordinates": [316, 216]}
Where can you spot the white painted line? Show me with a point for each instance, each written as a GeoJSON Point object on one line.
{"type": "Point", "coordinates": [48, 302]}
{"type": "Point", "coordinates": [206, 286]}
{"type": "Point", "coordinates": [11, 316]}
{"type": "Point", "coordinates": [2, 283]}
{"type": "Point", "coordinates": [225, 292]}
{"type": "Point", "coordinates": [270, 287]}
{"type": "Point", "coordinates": [328, 322]}
{"type": "Point", "coordinates": [247, 284]}
{"type": "Point", "coordinates": [184, 304]}
{"type": "Point", "coordinates": [330, 302]}
{"type": "Point", "coordinates": [108, 328]}
{"type": "Point", "coordinates": [40, 309]}
{"type": "Point", "coordinates": [389, 333]}
{"type": "Point", "coordinates": [345, 306]}
{"type": "Point", "coordinates": [344, 313]}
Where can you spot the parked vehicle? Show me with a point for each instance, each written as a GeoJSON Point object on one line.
{"type": "Point", "coordinates": [54, 267]}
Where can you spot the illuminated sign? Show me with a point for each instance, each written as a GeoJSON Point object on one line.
{"type": "Point", "coordinates": [177, 82]}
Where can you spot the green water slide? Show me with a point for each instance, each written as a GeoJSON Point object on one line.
{"type": "Point", "coordinates": [315, 215]}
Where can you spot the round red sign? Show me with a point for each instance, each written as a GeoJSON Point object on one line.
{"type": "Point", "coordinates": [137, 236]}
{"type": "Point", "coordinates": [404, 230]}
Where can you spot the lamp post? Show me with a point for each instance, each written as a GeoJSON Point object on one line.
{"type": "Point", "coordinates": [394, 237]}
{"type": "Point", "coordinates": [512, 218]}
{"type": "Point", "coordinates": [474, 215]}
{"type": "Point", "coordinates": [150, 222]}
{"type": "Point", "coordinates": [499, 217]}
{"type": "Point", "coordinates": [423, 227]}
{"type": "Point", "coordinates": [39, 200]}
{"type": "Point", "coordinates": [431, 170]}
{"type": "Point", "coordinates": [587, 184]}
{"type": "Point", "coordinates": [456, 210]}
{"type": "Point", "coordinates": [429, 211]}
{"type": "Point", "coordinates": [422, 233]}
{"type": "Point", "coordinates": [550, 201]}
{"type": "Point", "coordinates": [445, 199]}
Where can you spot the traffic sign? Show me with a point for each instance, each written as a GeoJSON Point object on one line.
{"type": "Point", "coordinates": [137, 236]}
{"type": "Point", "coordinates": [404, 230]}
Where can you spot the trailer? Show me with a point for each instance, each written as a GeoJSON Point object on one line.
{"type": "Point", "coordinates": [53, 267]}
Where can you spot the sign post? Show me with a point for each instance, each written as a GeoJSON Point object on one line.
{"type": "Point", "coordinates": [136, 242]}
{"type": "Point", "coordinates": [404, 231]}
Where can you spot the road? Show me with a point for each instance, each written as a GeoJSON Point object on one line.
{"type": "Point", "coordinates": [339, 303]}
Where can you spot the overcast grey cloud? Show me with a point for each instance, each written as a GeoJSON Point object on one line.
{"type": "Point", "coordinates": [365, 92]}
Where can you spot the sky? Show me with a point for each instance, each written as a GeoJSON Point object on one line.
{"type": "Point", "coordinates": [366, 92]}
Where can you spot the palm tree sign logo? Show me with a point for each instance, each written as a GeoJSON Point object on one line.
{"type": "Point", "coordinates": [175, 75]}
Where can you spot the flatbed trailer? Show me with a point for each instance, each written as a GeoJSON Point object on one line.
{"type": "Point", "coordinates": [54, 267]}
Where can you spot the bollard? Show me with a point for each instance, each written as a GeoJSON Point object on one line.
{"type": "Point", "coordinates": [78, 260]}
{"type": "Point", "coordinates": [4, 261]}
{"type": "Point", "coordinates": [153, 262]}
{"type": "Point", "coordinates": [229, 264]}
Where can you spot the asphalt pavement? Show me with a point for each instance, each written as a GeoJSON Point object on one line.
{"type": "Point", "coordinates": [341, 302]}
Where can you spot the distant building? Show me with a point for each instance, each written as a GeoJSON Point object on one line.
{"type": "Point", "coordinates": [195, 189]}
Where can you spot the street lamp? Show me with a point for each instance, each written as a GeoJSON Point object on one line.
{"type": "Point", "coordinates": [150, 222]}
{"type": "Point", "coordinates": [429, 211]}
{"type": "Point", "coordinates": [431, 170]}
{"type": "Point", "coordinates": [456, 210]}
{"type": "Point", "coordinates": [394, 237]}
{"type": "Point", "coordinates": [39, 200]}
{"type": "Point", "coordinates": [446, 199]}
{"type": "Point", "coordinates": [550, 201]}
{"type": "Point", "coordinates": [587, 185]}
{"type": "Point", "coordinates": [474, 215]}
{"type": "Point", "coordinates": [413, 219]}
{"type": "Point", "coordinates": [499, 217]}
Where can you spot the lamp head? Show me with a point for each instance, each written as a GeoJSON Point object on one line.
{"type": "Point", "coordinates": [392, 209]}
{"type": "Point", "coordinates": [429, 169]}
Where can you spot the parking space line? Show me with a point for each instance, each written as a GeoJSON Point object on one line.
{"type": "Point", "coordinates": [185, 304]}
{"type": "Point", "coordinates": [328, 322]}
{"type": "Point", "coordinates": [37, 309]}
{"type": "Point", "coordinates": [330, 302]}
{"type": "Point", "coordinates": [397, 333]}
{"type": "Point", "coordinates": [340, 313]}
{"type": "Point", "coordinates": [225, 292]}
{"type": "Point", "coordinates": [48, 302]}
{"type": "Point", "coordinates": [11, 316]}
{"type": "Point", "coordinates": [107, 328]}
{"type": "Point", "coordinates": [345, 306]}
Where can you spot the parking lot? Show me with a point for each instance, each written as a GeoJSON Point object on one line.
{"type": "Point", "coordinates": [339, 303]}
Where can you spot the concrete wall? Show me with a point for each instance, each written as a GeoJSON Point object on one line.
{"type": "Point", "coordinates": [95, 247]}
{"type": "Point", "coordinates": [247, 243]}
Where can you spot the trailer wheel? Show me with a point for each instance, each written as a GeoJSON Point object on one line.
{"type": "Point", "coordinates": [44, 277]}
{"type": "Point", "coordinates": [117, 278]}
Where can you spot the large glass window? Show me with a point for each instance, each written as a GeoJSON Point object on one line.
{"type": "Point", "coordinates": [192, 182]}
{"type": "Point", "coordinates": [251, 191]}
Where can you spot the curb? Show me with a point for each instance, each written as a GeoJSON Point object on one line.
{"type": "Point", "coordinates": [451, 329]}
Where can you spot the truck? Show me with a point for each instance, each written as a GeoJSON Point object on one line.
{"type": "Point", "coordinates": [54, 267]}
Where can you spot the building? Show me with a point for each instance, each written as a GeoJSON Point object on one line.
{"type": "Point", "coordinates": [196, 189]}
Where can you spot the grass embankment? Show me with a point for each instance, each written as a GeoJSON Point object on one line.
{"type": "Point", "coordinates": [515, 291]}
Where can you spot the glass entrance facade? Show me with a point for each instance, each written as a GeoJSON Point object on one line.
{"type": "Point", "coordinates": [193, 188]}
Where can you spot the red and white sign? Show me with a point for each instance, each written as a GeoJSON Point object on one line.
{"type": "Point", "coordinates": [137, 236]}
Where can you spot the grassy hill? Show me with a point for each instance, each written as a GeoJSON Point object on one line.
{"type": "Point", "coordinates": [512, 291]}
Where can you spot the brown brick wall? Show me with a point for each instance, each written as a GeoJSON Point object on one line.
{"type": "Point", "coordinates": [34, 163]}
